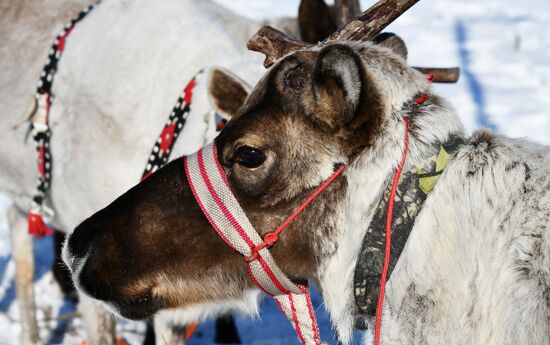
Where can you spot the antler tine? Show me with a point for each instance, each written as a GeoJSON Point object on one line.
{"type": "Point", "coordinates": [273, 44]}
{"type": "Point", "coordinates": [346, 10]}
{"type": "Point", "coordinates": [371, 22]}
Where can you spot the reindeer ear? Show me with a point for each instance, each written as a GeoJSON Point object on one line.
{"type": "Point", "coordinates": [226, 91]}
{"type": "Point", "coordinates": [337, 84]}
{"type": "Point", "coordinates": [393, 42]}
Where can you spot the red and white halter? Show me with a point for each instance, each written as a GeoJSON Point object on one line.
{"type": "Point", "coordinates": [213, 194]}
{"type": "Point", "coordinates": [211, 189]}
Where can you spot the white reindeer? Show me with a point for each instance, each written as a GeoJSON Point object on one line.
{"type": "Point", "coordinates": [120, 75]}
{"type": "Point", "coordinates": [475, 268]}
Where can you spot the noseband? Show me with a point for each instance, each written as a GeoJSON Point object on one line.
{"type": "Point", "coordinates": [211, 189]}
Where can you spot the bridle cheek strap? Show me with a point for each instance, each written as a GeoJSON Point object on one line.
{"type": "Point", "coordinates": [213, 194]}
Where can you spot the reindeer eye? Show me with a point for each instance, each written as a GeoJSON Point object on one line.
{"type": "Point", "coordinates": [249, 157]}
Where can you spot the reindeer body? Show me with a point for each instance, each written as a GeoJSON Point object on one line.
{"type": "Point", "coordinates": [475, 268]}
{"type": "Point", "coordinates": [152, 50]}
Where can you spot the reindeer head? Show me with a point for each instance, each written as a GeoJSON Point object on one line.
{"type": "Point", "coordinates": [316, 108]}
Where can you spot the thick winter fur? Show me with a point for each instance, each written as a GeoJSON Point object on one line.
{"type": "Point", "coordinates": [26, 31]}
{"type": "Point", "coordinates": [476, 267]}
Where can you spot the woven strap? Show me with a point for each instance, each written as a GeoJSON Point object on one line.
{"type": "Point", "coordinates": [160, 154]}
{"type": "Point", "coordinates": [40, 128]}
{"type": "Point", "coordinates": [213, 194]}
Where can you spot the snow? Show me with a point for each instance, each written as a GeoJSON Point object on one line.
{"type": "Point", "coordinates": [503, 49]}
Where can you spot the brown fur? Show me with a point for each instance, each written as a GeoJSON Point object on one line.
{"type": "Point", "coordinates": [134, 245]}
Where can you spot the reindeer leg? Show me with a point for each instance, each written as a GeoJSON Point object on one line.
{"type": "Point", "coordinates": [166, 333]}
{"type": "Point", "coordinates": [226, 330]}
{"type": "Point", "coordinates": [22, 245]}
{"type": "Point", "coordinates": [149, 335]}
{"type": "Point", "coordinates": [100, 324]}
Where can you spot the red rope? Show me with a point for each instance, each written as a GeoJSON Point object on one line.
{"type": "Point", "coordinates": [388, 234]}
{"type": "Point", "coordinates": [430, 77]}
{"type": "Point", "coordinates": [271, 237]}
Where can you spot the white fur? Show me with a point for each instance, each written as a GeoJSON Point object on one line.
{"type": "Point", "coordinates": [461, 277]}
{"type": "Point", "coordinates": [121, 72]}
{"type": "Point", "coordinates": [247, 305]}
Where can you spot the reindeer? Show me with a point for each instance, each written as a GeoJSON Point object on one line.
{"type": "Point", "coordinates": [99, 116]}
{"type": "Point", "coordinates": [475, 267]}
{"type": "Point", "coordinates": [91, 112]}
{"type": "Point", "coordinates": [89, 107]}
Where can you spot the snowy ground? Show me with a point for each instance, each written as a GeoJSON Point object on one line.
{"type": "Point", "coordinates": [503, 49]}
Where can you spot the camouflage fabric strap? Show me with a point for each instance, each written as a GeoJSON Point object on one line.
{"type": "Point", "coordinates": [412, 191]}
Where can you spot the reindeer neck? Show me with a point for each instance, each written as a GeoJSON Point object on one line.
{"type": "Point", "coordinates": [431, 125]}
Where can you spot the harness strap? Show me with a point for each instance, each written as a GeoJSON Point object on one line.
{"type": "Point", "coordinates": [211, 189]}
{"type": "Point", "coordinates": [41, 132]}
{"type": "Point", "coordinates": [176, 121]}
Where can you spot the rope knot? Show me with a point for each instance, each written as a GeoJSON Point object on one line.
{"type": "Point", "coordinates": [269, 240]}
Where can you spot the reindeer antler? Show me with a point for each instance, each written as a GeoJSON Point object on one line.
{"type": "Point", "coordinates": [371, 22]}
{"type": "Point", "coordinates": [275, 44]}
{"type": "Point", "coordinates": [441, 75]}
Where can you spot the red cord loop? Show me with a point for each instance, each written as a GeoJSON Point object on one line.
{"type": "Point", "coordinates": [430, 77]}
{"type": "Point", "coordinates": [421, 99]}
{"type": "Point", "coordinates": [272, 237]}
{"type": "Point", "coordinates": [269, 240]}
{"type": "Point", "coordinates": [252, 256]}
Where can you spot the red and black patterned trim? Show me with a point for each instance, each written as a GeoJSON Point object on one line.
{"type": "Point", "coordinates": [164, 144]}
{"type": "Point", "coordinates": [40, 128]}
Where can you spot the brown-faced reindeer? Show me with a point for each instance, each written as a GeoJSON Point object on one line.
{"type": "Point", "coordinates": [475, 268]}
